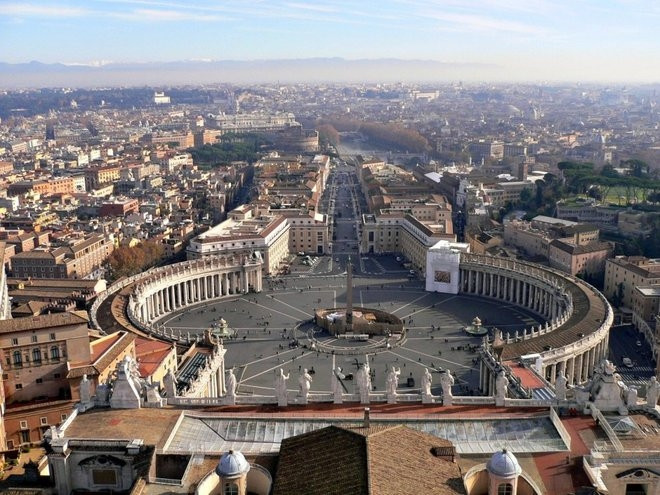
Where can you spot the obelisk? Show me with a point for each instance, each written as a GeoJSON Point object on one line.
{"type": "Point", "coordinates": [349, 295]}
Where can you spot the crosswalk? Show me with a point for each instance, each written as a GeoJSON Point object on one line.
{"type": "Point", "coordinates": [637, 376]}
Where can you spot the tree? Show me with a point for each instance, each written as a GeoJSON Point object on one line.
{"type": "Point", "coordinates": [126, 261]}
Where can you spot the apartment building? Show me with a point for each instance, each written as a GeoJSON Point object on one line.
{"type": "Point", "coordinates": [76, 258]}
{"type": "Point", "coordinates": [246, 230]}
{"type": "Point", "coordinates": [37, 353]}
{"type": "Point", "coordinates": [401, 233]}
{"type": "Point", "coordinates": [579, 259]}
{"type": "Point", "coordinates": [308, 231]}
{"type": "Point", "coordinates": [624, 273]}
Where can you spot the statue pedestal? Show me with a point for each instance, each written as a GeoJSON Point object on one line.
{"type": "Point", "coordinates": [427, 399]}
{"type": "Point", "coordinates": [499, 401]}
{"type": "Point", "coordinates": [447, 400]}
{"type": "Point", "coordinates": [301, 400]}
{"type": "Point", "coordinates": [282, 402]}
{"type": "Point", "coordinates": [84, 406]}
{"type": "Point", "coordinates": [338, 399]}
{"type": "Point", "coordinates": [391, 398]}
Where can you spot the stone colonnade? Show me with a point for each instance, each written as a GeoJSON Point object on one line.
{"type": "Point", "coordinates": [184, 284]}
{"type": "Point", "coordinates": [547, 293]}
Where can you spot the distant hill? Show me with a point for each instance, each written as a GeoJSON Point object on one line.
{"type": "Point", "coordinates": [313, 70]}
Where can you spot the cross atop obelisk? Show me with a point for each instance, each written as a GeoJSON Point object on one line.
{"type": "Point", "coordinates": [349, 295]}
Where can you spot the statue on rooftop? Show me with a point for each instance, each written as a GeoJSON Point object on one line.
{"type": "Point", "coordinates": [337, 388]}
{"type": "Point", "coordinates": [426, 383]}
{"type": "Point", "coordinates": [446, 381]}
{"type": "Point", "coordinates": [364, 382]}
{"type": "Point", "coordinates": [85, 390]}
{"type": "Point", "coordinates": [560, 386]}
{"type": "Point", "coordinates": [304, 384]}
{"type": "Point", "coordinates": [280, 387]}
{"type": "Point", "coordinates": [392, 382]}
{"type": "Point", "coordinates": [652, 392]}
{"type": "Point", "coordinates": [501, 385]}
{"type": "Point", "coordinates": [231, 385]}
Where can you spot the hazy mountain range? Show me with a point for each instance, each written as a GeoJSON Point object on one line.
{"type": "Point", "coordinates": [313, 70]}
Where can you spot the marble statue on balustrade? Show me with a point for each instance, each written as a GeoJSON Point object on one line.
{"type": "Point", "coordinates": [337, 388]}
{"type": "Point", "coordinates": [85, 394]}
{"type": "Point", "coordinates": [427, 379]}
{"type": "Point", "coordinates": [391, 384]}
{"type": "Point", "coordinates": [364, 383]}
{"type": "Point", "coordinates": [304, 384]}
{"type": "Point", "coordinates": [561, 386]}
{"type": "Point", "coordinates": [169, 380]}
{"type": "Point", "coordinates": [652, 393]}
{"type": "Point", "coordinates": [126, 393]}
{"type": "Point", "coordinates": [280, 387]}
{"type": "Point", "coordinates": [103, 392]}
{"type": "Point", "coordinates": [447, 382]}
{"type": "Point", "coordinates": [501, 388]}
{"type": "Point", "coordinates": [631, 396]}
{"type": "Point", "coordinates": [606, 391]}
{"type": "Point", "coordinates": [152, 397]}
{"type": "Point", "coordinates": [231, 387]}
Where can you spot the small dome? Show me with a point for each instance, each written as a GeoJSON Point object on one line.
{"type": "Point", "coordinates": [232, 464]}
{"type": "Point", "coordinates": [504, 464]}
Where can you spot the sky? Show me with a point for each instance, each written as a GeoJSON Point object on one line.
{"type": "Point", "coordinates": [530, 39]}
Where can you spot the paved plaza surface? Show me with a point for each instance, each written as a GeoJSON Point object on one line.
{"type": "Point", "coordinates": [265, 338]}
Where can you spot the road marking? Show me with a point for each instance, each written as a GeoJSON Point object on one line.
{"type": "Point", "coordinates": [411, 302]}
{"type": "Point", "coordinates": [290, 306]}
{"type": "Point", "coordinates": [280, 365]}
{"type": "Point", "coordinates": [270, 309]}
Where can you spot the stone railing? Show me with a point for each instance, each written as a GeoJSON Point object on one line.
{"type": "Point", "coordinates": [494, 365]}
{"type": "Point", "coordinates": [548, 280]}
{"type": "Point", "coordinates": [177, 272]}
{"type": "Point", "coordinates": [557, 282]}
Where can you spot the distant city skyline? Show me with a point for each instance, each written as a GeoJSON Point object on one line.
{"type": "Point", "coordinates": [532, 40]}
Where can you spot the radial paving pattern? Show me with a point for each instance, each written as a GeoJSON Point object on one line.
{"type": "Point", "coordinates": [266, 338]}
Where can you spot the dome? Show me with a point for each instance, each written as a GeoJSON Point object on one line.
{"type": "Point", "coordinates": [232, 464]}
{"type": "Point", "coordinates": [504, 464]}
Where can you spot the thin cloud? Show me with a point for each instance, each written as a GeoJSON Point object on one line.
{"type": "Point", "coordinates": [480, 23]}
{"type": "Point", "coordinates": [33, 10]}
{"type": "Point", "coordinates": [156, 15]}
{"type": "Point", "coordinates": [310, 6]}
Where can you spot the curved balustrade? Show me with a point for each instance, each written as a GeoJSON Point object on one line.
{"type": "Point", "coordinates": [576, 336]}
{"type": "Point", "coordinates": [160, 291]}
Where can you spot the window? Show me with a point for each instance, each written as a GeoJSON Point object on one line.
{"type": "Point", "coordinates": [34, 339]}
{"type": "Point", "coordinates": [231, 488]}
{"type": "Point", "coordinates": [63, 417]}
{"type": "Point", "coordinates": [14, 341]}
{"type": "Point", "coordinates": [25, 436]}
{"type": "Point", "coordinates": [36, 355]}
{"type": "Point", "coordinates": [56, 375]}
{"type": "Point", "coordinates": [43, 421]}
{"type": "Point", "coordinates": [18, 358]}
{"type": "Point", "coordinates": [505, 489]}
{"type": "Point", "coordinates": [19, 386]}
{"type": "Point", "coordinates": [55, 352]}
{"type": "Point", "coordinates": [104, 477]}
{"type": "Point", "coordinates": [23, 425]}
{"type": "Point", "coordinates": [52, 336]}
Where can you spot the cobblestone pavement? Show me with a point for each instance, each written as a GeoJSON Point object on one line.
{"type": "Point", "coordinates": [265, 339]}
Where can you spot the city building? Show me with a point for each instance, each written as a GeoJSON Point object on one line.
{"type": "Point", "coordinates": [75, 258]}
{"type": "Point", "coordinates": [624, 273]}
{"type": "Point", "coordinates": [246, 230]}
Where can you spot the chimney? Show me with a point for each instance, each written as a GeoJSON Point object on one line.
{"type": "Point", "coordinates": [366, 417]}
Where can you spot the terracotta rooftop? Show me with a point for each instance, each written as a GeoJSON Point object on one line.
{"type": "Point", "coordinates": [43, 321]}
{"type": "Point", "coordinates": [375, 460]}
